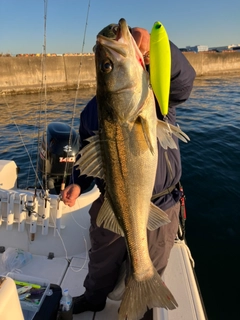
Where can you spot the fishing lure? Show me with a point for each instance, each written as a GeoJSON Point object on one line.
{"type": "Point", "coordinates": [24, 289]}
{"type": "Point", "coordinates": [160, 65]}
{"type": "Point", "coordinates": [24, 296]}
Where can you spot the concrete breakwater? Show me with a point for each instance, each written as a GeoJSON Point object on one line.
{"type": "Point", "coordinates": [24, 74]}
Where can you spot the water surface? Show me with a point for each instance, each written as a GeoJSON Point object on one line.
{"type": "Point", "coordinates": [211, 174]}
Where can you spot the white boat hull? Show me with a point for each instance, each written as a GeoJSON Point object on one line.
{"type": "Point", "coordinates": [63, 231]}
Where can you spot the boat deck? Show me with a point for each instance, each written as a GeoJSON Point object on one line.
{"type": "Point", "coordinates": [179, 274]}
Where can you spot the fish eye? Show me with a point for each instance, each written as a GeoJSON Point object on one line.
{"type": "Point", "coordinates": [106, 66]}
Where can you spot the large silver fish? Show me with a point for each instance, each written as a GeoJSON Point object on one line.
{"type": "Point", "coordinates": [124, 153]}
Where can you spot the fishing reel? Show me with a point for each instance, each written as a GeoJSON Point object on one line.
{"type": "Point", "coordinates": [30, 207]}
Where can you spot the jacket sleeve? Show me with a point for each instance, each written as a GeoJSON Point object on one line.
{"type": "Point", "coordinates": [88, 122]}
{"type": "Point", "coordinates": [182, 77]}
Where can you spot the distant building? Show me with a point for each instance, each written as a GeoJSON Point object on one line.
{"type": "Point", "coordinates": [197, 48]}
{"type": "Point", "coordinates": [231, 46]}
{"type": "Point", "coordinates": [237, 48]}
{"type": "Point", "coordinates": [219, 49]}
{"type": "Point", "coordinates": [183, 49]}
{"type": "Point", "coordinates": [224, 48]}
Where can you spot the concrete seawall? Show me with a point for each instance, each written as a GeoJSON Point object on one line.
{"type": "Point", "coordinates": [214, 63]}
{"type": "Point", "coordinates": [24, 74]}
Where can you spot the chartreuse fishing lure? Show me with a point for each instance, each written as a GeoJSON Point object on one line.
{"type": "Point", "coordinates": [160, 65]}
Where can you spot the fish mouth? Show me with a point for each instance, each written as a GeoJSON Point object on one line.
{"type": "Point", "coordinates": [119, 41]}
{"type": "Point", "coordinates": [123, 30]}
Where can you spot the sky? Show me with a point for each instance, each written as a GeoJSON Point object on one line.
{"type": "Point", "coordinates": [188, 22]}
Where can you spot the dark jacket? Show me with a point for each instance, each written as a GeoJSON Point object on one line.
{"type": "Point", "coordinates": [169, 162]}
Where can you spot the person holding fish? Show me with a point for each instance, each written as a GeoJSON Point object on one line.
{"type": "Point", "coordinates": [134, 158]}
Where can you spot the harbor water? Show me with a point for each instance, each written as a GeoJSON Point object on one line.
{"type": "Point", "coordinates": [211, 175]}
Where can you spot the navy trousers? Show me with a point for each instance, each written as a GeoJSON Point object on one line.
{"type": "Point", "coordinates": [108, 251]}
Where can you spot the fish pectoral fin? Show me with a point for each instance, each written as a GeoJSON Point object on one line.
{"type": "Point", "coordinates": [106, 218]}
{"type": "Point", "coordinates": [157, 217]}
{"type": "Point", "coordinates": [165, 131]}
{"type": "Point", "coordinates": [90, 162]}
{"type": "Point", "coordinates": [146, 133]}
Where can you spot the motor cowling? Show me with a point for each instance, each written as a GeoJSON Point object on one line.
{"type": "Point", "coordinates": [57, 154]}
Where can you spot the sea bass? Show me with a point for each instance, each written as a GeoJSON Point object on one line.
{"type": "Point", "coordinates": [124, 153]}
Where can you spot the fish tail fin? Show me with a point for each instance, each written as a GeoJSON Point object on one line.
{"type": "Point", "coordinates": [165, 131]}
{"type": "Point", "coordinates": [142, 295]}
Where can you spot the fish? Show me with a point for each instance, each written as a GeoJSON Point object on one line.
{"type": "Point", "coordinates": [124, 154]}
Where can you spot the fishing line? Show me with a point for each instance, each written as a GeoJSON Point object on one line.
{"type": "Point", "coordinates": [70, 138]}
{"type": "Point", "coordinates": [31, 155]}
{"type": "Point", "coordinates": [21, 137]}
{"type": "Point", "coordinates": [75, 101]}
{"type": "Point", "coordinates": [38, 139]}
{"type": "Point", "coordinates": [43, 104]}
{"type": "Point", "coordinates": [74, 269]}
{"type": "Point", "coordinates": [71, 127]}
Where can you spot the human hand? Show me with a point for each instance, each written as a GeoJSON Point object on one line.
{"type": "Point", "coordinates": [70, 194]}
{"type": "Point", "coordinates": [142, 39]}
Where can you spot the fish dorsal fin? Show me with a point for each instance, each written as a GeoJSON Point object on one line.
{"type": "Point", "coordinates": [106, 218]}
{"type": "Point", "coordinates": [90, 162]}
{"type": "Point", "coordinates": [157, 217]}
{"type": "Point", "coordinates": [165, 131]}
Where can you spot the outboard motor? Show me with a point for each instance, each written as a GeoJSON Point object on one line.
{"type": "Point", "coordinates": [57, 157]}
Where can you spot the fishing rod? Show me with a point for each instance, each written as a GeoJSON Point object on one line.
{"type": "Point", "coordinates": [68, 148]}
{"type": "Point", "coordinates": [42, 101]}
{"type": "Point", "coordinates": [45, 85]}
